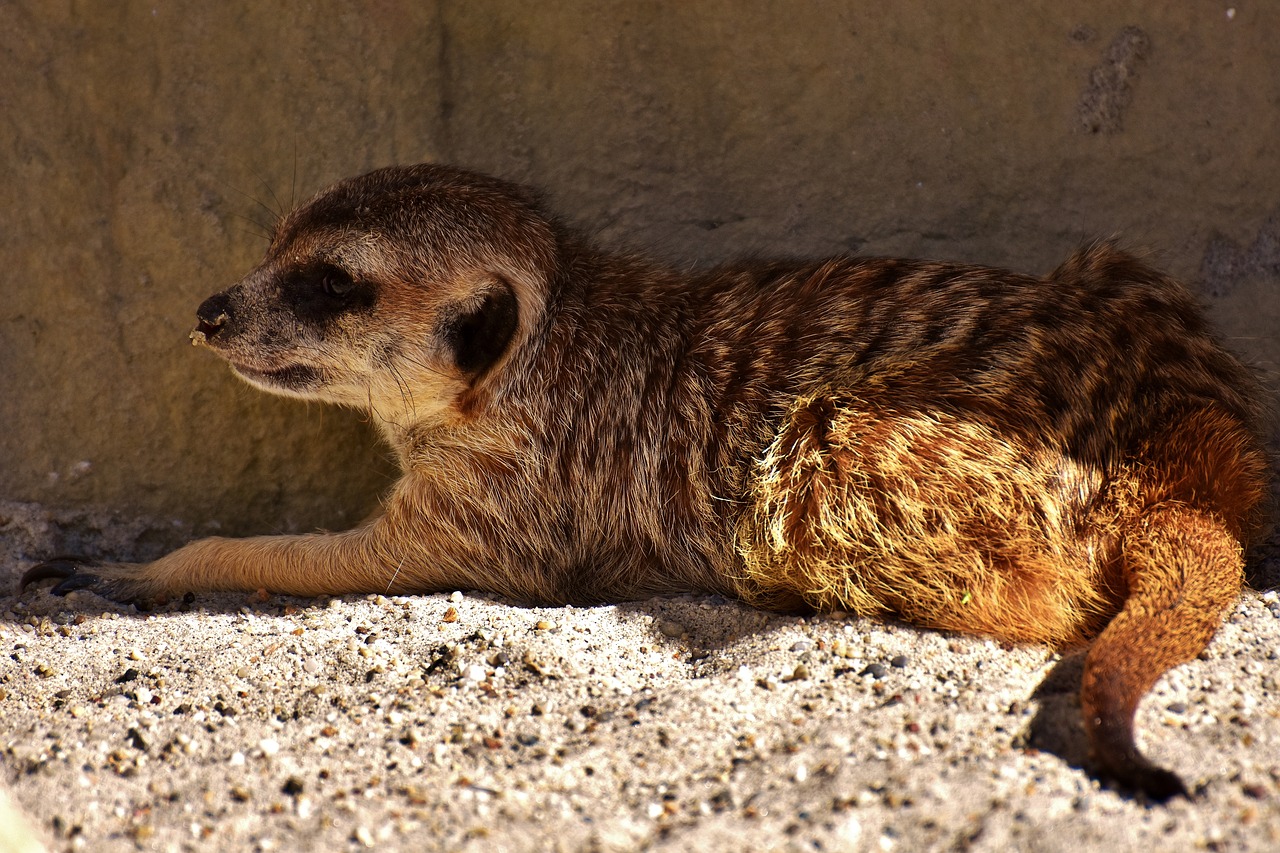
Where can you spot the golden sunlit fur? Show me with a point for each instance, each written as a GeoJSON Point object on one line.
{"type": "Point", "coordinates": [845, 487]}
{"type": "Point", "coordinates": [1050, 459]}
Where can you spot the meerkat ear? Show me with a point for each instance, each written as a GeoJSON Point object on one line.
{"type": "Point", "coordinates": [479, 335]}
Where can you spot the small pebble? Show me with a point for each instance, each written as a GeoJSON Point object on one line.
{"type": "Point", "coordinates": [671, 629]}
{"type": "Point", "coordinates": [455, 596]}
{"type": "Point", "coordinates": [800, 673]}
{"type": "Point", "coordinates": [269, 746]}
{"type": "Point", "coordinates": [531, 663]}
{"type": "Point", "coordinates": [875, 670]}
{"type": "Point", "coordinates": [900, 662]}
{"type": "Point", "coordinates": [1177, 707]}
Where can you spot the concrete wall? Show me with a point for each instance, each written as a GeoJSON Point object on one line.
{"type": "Point", "coordinates": [145, 145]}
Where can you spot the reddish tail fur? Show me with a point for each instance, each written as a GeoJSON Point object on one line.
{"type": "Point", "coordinates": [1181, 567]}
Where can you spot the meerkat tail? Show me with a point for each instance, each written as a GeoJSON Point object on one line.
{"type": "Point", "coordinates": [1183, 569]}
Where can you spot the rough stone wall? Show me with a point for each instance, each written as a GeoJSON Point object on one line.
{"type": "Point", "coordinates": [147, 144]}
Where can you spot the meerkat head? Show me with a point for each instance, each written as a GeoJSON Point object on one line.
{"type": "Point", "coordinates": [401, 291]}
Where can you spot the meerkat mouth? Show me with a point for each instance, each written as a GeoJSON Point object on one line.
{"type": "Point", "coordinates": [294, 377]}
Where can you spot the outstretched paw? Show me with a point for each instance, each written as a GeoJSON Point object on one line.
{"type": "Point", "coordinates": [118, 582]}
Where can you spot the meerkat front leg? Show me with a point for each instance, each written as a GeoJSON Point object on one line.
{"type": "Point", "coordinates": [314, 564]}
{"type": "Point", "coordinates": [391, 554]}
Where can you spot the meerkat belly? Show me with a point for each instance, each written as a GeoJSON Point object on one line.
{"type": "Point", "coordinates": [944, 522]}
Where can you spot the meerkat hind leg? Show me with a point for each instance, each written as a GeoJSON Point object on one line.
{"type": "Point", "coordinates": [943, 522]}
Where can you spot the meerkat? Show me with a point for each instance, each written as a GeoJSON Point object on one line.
{"type": "Point", "coordinates": [1063, 460]}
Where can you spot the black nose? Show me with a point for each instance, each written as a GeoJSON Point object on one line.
{"type": "Point", "coordinates": [214, 315]}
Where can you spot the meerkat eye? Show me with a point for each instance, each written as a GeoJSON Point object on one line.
{"type": "Point", "coordinates": [324, 291]}
{"type": "Point", "coordinates": [336, 282]}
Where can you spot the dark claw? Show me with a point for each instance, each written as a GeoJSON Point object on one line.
{"type": "Point", "coordinates": [65, 570]}
{"type": "Point", "coordinates": [80, 580]}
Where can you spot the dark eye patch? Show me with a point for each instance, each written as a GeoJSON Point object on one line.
{"type": "Point", "coordinates": [323, 291]}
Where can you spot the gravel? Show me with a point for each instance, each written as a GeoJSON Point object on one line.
{"type": "Point", "coordinates": [464, 722]}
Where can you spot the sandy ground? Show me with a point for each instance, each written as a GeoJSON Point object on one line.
{"type": "Point", "coordinates": [461, 722]}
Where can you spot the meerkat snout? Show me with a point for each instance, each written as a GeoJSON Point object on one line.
{"type": "Point", "coordinates": [213, 315]}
